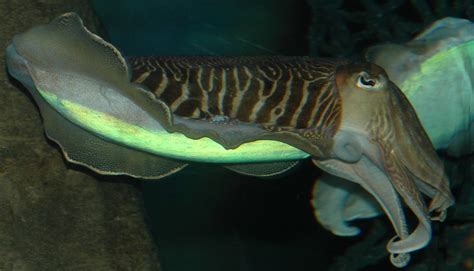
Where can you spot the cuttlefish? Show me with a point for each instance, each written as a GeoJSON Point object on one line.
{"type": "Point", "coordinates": [149, 117]}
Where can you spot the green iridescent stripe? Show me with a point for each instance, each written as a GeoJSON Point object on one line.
{"type": "Point", "coordinates": [172, 145]}
{"type": "Point", "coordinates": [438, 64]}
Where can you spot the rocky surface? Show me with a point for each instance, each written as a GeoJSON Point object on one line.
{"type": "Point", "coordinates": [53, 217]}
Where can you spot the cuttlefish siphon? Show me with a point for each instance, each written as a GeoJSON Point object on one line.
{"type": "Point", "coordinates": [149, 117]}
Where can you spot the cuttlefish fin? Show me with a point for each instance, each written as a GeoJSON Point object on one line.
{"type": "Point", "coordinates": [66, 45]}
{"type": "Point", "coordinates": [82, 147]}
{"type": "Point", "coordinates": [69, 61]}
{"type": "Point", "coordinates": [264, 169]}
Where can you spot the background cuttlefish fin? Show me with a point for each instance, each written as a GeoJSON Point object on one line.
{"type": "Point", "coordinates": [263, 169]}
{"type": "Point", "coordinates": [82, 147]}
{"type": "Point", "coordinates": [439, 56]}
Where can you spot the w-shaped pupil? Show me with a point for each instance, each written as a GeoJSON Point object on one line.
{"type": "Point", "coordinates": [367, 82]}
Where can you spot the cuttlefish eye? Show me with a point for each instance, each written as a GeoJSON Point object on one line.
{"type": "Point", "coordinates": [366, 81]}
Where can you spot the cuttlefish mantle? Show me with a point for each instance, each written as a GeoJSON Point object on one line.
{"type": "Point", "coordinates": [98, 97]}
{"type": "Point", "coordinates": [150, 116]}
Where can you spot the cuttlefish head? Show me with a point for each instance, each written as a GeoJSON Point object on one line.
{"type": "Point", "coordinates": [382, 145]}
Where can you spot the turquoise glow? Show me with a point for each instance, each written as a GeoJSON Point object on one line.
{"type": "Point", "coordinates": [172, 145]}
{"type": "Point", "coordinates": [441, 92]}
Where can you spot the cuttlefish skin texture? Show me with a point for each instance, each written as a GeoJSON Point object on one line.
{"type": "Point", "coordinates": [288, 97]}
{"type": "Point", "coordinates": [349, 117]}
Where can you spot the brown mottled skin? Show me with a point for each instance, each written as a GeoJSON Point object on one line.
{"type": "Point", "coordinates": [284, 91]}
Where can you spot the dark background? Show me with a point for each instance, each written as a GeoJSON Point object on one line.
{"type": "Point", "coordinates": [207, 27]}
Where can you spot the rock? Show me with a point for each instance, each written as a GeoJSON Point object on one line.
{"type": "Point", "coordinates": [54, 217]}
